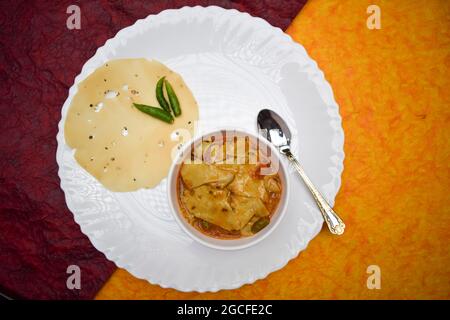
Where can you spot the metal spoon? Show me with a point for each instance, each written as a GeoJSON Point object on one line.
{"type": "Point", "coordinates": [273, 128]}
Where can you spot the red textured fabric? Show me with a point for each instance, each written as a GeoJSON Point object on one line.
{"type": "Point", "coordinates": [39, 59]}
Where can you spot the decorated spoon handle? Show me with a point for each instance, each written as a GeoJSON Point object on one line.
{"type": "Point", "coordinates": [332, 220]}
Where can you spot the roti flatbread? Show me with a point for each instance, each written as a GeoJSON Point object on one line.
{"type": "Point", "coordinates": [120, 146]}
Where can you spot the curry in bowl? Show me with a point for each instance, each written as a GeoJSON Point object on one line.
{"type": "Point", "coordinates": [229, 187]}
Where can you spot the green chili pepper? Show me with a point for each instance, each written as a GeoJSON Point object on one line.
{"type": "Point", "coordinates": [155, 112]}
{"type": "Point", "coordinates": [160, 95]}
{"type": "Point", "coordinates": [260, 224]}
{"type": "Point", "coordinates": [205, 224]}
{"type": "Point", "coordinates": [174, 103]}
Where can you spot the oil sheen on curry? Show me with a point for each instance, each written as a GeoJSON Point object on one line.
{"type": "Point", "coordinates": [223, 189]}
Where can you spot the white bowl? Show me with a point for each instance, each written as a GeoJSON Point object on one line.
{"type": "Point", "coordinates": [227, 244]}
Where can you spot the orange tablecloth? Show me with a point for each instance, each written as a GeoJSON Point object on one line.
{"type": "Point", "coordinates": [392, 86]}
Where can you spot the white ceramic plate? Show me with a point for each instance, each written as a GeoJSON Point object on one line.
{"type": "Point", "coordinates": [235, 65]}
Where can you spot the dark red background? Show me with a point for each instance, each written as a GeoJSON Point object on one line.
{"type": "Point", "coordinates": [39, 59]}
